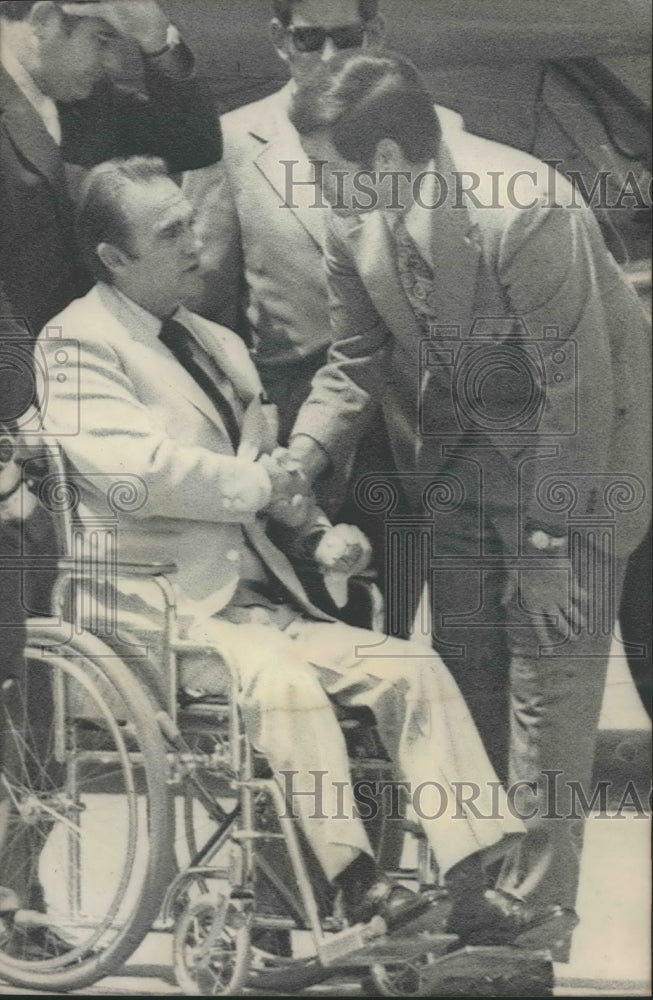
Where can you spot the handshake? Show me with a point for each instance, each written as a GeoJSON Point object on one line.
{"type": "Point", "coordinates": [343, 548]}
{"type": "Point", "coordinates": [292, 501]}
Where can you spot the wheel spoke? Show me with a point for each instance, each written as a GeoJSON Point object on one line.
{"type": "Point", "coordinates": [73, 797]}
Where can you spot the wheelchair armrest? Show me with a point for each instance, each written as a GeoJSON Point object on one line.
{"type": "Point", "coordinates": [82, 567]}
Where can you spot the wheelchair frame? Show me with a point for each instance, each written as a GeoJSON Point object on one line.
{"type": "Point", "coordinates": [152, 749]}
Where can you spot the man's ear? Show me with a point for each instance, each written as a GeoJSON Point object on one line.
{"type": "Point", "coordinates": [279, 38]}
{"type": "Point", "coordinates": [375, 32]}
{"type": "Point", "coordinates": [114, 259]}
{"type": "Point", "coordinates": [388, 155]}
{"type": "Point", "coordinates": [44, 18]}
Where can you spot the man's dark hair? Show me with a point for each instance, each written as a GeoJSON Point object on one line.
{"type": "Point", "coordinates": [17, 10]}
{"type": "Point", "coordinates": [283, 10]}
{"type": "Point", "coordinates": [101, 217]}
{"type": "Point", "coordinates": [361, 99]}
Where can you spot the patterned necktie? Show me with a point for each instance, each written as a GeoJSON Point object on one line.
{"type": "Point", "coordinates": [182, 344]}
{"type": "Point", "coordinates": [416, 277]}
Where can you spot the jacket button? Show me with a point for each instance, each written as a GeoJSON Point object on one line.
{"type": "Point", "coordinates": [233, 555]}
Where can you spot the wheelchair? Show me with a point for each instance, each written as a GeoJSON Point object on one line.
{"type": "Point", "coordinates": [128, 813]}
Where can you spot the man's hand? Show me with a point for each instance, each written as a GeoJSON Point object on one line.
{"type": "Point", "coordinates": [292, 497]}
{"type": "Point", "coordinates": [246, 492]}
{"type": "Point", "coordinates": [553, 593]}
{"type": "Point", "coordinates": [142, 20]}
{"type": "Point", "coordinates": [344, 549]}
{"type": "Point", "coordinates": [309, 454]}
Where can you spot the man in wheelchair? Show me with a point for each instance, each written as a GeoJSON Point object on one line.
{"type": "Point", "coordinates": [148, 398]}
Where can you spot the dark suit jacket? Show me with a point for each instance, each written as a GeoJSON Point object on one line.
{"type": "Point", "coordinates": [39, 270]}
{"type": "Point", "coordinates": [539, 349]}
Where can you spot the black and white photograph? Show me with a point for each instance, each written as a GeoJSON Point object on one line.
{"type": "Point", "coordinates": [325, 498]}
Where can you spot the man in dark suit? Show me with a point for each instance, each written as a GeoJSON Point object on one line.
{"type": "Point", "coordinates": [510, 357]}
{"type": "Point", "coordinates": [59, 108]}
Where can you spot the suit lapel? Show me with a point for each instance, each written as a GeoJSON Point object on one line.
{"type": "Point", "coordinates": [184, 383]}
{"type": "Point", "coordinates": [255, 432]}
{"type": "Point", "coordinates": [454, 253]}
{"type": "Point", "coordinates": [281, 567]}
{"type": "Point", "coordinates": [30, 136]}
{"type": "Point", "coordinates": [284, 165]}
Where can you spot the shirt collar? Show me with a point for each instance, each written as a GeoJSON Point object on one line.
{"type": "Point", "coordinates": [44, 106]}
{"type": "Point", "coordinates": [134, 315]}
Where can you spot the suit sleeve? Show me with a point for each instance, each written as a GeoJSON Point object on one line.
{"type": "Point", "coordinates": [105, 429]}
{"type": "Point", "coordinates": [346, 391]}
{"type": "Point", "coordinates": [172, 118]}
{"type": "Point", "coordinates": [210, 192]}
{"type": "Point", "coordinates": [562, 281]}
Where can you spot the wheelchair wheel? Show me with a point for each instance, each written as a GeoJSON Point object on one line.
{"type": "Point", "coordinates": [211, 947]}
{"type": "Point", "coordinates": [412, 978]}
{"type": "Point", "coordinates": [88, 824]}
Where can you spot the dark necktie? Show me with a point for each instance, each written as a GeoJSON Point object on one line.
{"type": "Point", "coordinates": [416, 277]}
{"type": "Point", "coordinates": [182, 344]}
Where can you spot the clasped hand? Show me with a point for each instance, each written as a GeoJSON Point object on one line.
{"type": "Point", "coordinates": [292, 498]}
{"type": "Point", "coordinates": [343, 549]}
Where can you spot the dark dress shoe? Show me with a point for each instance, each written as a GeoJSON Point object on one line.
{"type": "Point", "coordinates": [396, 904]}
{"type": "Point", "coordinates": [273, 940]}
{"type": "Point", "coordinates": [494, 917]}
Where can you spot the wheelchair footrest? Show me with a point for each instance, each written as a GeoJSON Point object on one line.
{"type": "Point", "coordinates": [401, 948]}
{"type": "Point", "coordinates": [335, 949]}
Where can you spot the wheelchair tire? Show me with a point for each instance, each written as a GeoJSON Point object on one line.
{"type": "Point", "coordinates": [403, 979]}
{"type": "Point", "coordinates": [89, 823]}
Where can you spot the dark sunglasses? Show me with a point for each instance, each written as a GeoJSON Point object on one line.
{"type": "Point", "coordinates": [309, 39]}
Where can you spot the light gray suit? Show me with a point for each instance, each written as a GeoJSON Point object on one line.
{"type": "Point", "coordinates": [140, 439]}
{"type": "Point", "coordinates": [262, 256]}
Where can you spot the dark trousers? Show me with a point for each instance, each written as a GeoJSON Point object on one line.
{"type": "Point", "coordinates": [635, 618]}
{"type": "Point", "coordinates": [537, 707]}
{"type": "Point", "coordinates": [26, 705]}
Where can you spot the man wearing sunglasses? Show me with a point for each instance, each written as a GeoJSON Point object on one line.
{"type": "Point", "coordinates": [264, 263]}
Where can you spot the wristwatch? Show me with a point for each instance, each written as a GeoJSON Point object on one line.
{"type": "Point", "coordinates": [173, 39]}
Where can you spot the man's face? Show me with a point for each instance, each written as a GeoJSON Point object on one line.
{"type": "Point", "coordinates": [307, 66]}
{"type": "Point", "coordinates": [164, 269]}
{"type": "Point", "coordinates": [73, 56]}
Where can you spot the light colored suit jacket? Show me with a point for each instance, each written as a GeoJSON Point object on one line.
{"type": "Point", "coordinates": [148, 452]}
{"type": "Point", "coordinates": [255, 248]}
{"type": "Point", "coordinates": [532, 287]}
